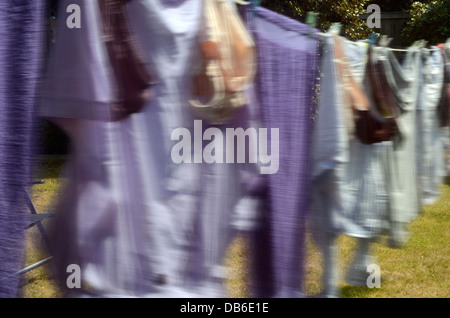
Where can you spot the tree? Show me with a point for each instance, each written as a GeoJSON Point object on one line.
{"type": "Point", "coordinates": [347, 12]}
{"type": "Point", "coordinates": [430, 21]}
{"type": "Point", "coordinates": [393, 6]}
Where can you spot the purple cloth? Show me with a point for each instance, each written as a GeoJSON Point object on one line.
{"type": "Point", "coordinates": [20, 49]}
{"type": "Point", "coordinates": [288, 59]}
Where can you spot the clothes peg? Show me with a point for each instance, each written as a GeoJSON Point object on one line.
{"type": "Point", "coordinates": [255, 4]}
{"type": "Point", "coordinates": [420, 44]}
{"type": "Point", "coordinates": [373, 38]}
{"type": "Point", "coordinates": [335, 28]}
{"type": "Point", "coordinates": [311, 19]}
{"type": "Point", "coordinates": [384, 41]}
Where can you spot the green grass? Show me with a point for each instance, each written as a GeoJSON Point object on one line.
{"type": "Point", "coordinates": [420, 269]}
{"type": "Point", "coordinates": [38, 283]}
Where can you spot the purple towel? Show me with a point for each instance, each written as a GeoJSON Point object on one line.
{"type": "Point", "coordinates": [20, 35]}
{"type": "Point", "coordinates": [288, 56]}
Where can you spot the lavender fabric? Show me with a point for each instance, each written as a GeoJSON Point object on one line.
{"type": "Point", "coordinates": [137, 223]}
{"type": "Point", "coordinates": [119, 219]}
{"type": "Point", "coordinates": [287, 71]}
{"type": "Point", "coordinates": [20, 49]}
{"type": "Point", "coordinates": [78, 59]}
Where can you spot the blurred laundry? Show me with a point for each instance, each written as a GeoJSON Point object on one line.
{"type": "Point", "coordinates": [288, 56]}
{"type": "Point", "coordinates": [361, 136]}
{"type": "Point", "coordinates": [400, 166]}
{"type": "Point", "coordinates": [137, 223]}
{"type": "Point", "coordinates": [21, 51]}
{"type": "Point", "coordinates": [368, 190]}
{"type": "Point", "coordinates": [430, 148]}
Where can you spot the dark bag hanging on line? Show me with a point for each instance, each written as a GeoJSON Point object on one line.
{"type": "Point", "coordinates": [372, 124]}
{"type": "Point", "coordinates": [132, 80]}
{"type": "Point", "coordinates": [379, 123]}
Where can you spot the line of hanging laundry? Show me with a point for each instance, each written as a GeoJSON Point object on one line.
{"type": "Point", "coordinates": [379, 130]}
{"type": "Point", "coordinates": [347, 117]}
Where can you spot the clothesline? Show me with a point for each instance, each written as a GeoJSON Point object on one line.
{"type": "Point", "coordinates": [405, 50]}
{"type": "Point", "coordinates": [392, 49]}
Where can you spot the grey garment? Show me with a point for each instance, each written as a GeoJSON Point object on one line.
{"type": "Point", "coordinates": [330, 138]}
{"type": "Point", "coordinates": [329, 149]}
{"type": "Point", "coordinates": [400, 163]}
{"type": "Point", "coordinates": [446, 130]}
{"type": "Point", "coordinates": [445, 137]}
{"type": "Point", "coordinates": [429, 144]}
{"type": "Point", "coordinates": [349, 193]}
{"type": "Point", "coordinates": [349, 186]}
{"type": "Point", "coordinates": [363, 190]}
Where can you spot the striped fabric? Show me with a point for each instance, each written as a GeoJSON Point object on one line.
{"type": "Point", "coordinates": [20, 49]}
{"type": "Point", "coordinates": [287, 72]}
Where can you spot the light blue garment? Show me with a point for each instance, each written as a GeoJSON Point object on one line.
{"type": "Point", "coordinates": [349, 192]}
{"type": "Point", "coordinates": [330, 139]}
{"type": "Point", "coordinates": [429, 146]}
{"type": "Point", "coordinates": [355, 201]}
{"type": "Point", "coordinates": [401, 164]}
{"type": "Point", "coordinates": [330, 148]}
{"type": "Point", "coordinates": [364, 184]}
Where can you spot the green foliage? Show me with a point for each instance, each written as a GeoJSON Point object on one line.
{"type": "Point", "coordinates": [347, 12]}
{"type": "Point", "coordinates": [393, 6]}
{"type": "Point", "coordinates": [429, 21]}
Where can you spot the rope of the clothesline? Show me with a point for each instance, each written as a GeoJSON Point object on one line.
{"type": "Point", "coordinates": [389, 48]}
{"type": "Point", "coordinates": [405, 50]}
